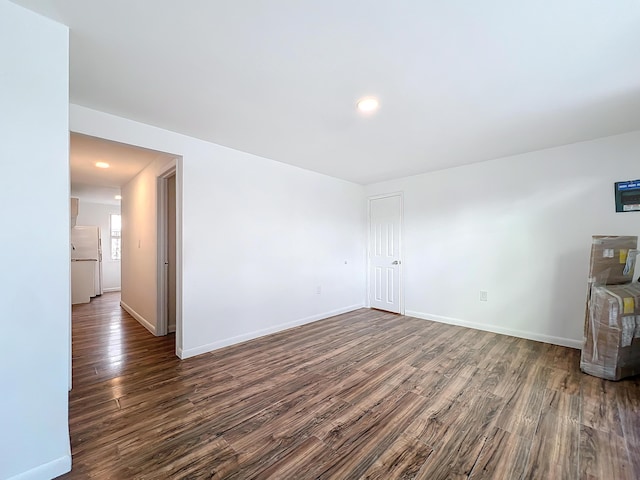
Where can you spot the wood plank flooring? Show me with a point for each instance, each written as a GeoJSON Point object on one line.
{"type": "Point", "coordinates": [367, 395]}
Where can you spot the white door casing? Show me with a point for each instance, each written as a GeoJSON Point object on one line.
{"type": "Point", "coordinates": [167, 240]}
{"type": "Point", "coordinates": [171, 254]}
{"type": "Point", "coordinates": [385, 263]}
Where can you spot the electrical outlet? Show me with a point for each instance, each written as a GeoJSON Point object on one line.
{"type": "Point", "coordinates": [318, 290]}
{"type": "Point", "coordinates": [483, 296]}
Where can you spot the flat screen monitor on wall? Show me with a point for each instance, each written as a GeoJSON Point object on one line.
{"type": "Point", "coordinates": [628, 196]}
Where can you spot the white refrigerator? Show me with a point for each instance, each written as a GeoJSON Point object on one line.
{"type": "Point", "coordinates": [86, 263]}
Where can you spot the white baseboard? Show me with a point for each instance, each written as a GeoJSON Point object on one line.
{"type": "Point", "coordinates": [111, 289]}
{"type": "Point", "coordinates": [539, 337]}
{"type": "Point", "coordinates": [52, 469]}
{"type": "Point", "coordinates": [192, 352]}
{"type": "Point", "coordinates": [143, 321]}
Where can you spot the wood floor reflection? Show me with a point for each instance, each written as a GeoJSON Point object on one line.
{"type": "Point", "coordinates": [362, 395]}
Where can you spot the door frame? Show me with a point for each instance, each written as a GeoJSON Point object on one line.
{"type": "Point", "coordinates": [400, 248]}
{"type": "Point", "coordinates": [171, 169]}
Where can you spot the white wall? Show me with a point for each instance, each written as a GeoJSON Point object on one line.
{"type": "Point", "coordinates": [99, 214]}
{"type": "Point", "coordinates": [258, 237]}
{"type": "Point", "coordinates": [35, 278]}
{"type": "Point", "coordinates": [519, 228]}
{"type": "Point", "coordinates": [139, 245]}
{"type": "Point", "coordinates": [262, 237]}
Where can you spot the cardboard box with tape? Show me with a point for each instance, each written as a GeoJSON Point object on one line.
{"type": "Point", "coordinates": [612, 259]}
{"type": "Point", "coordinates": [612, 332]}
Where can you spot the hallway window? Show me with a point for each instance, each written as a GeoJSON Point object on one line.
{"type": "Point", "coordinates": [116, 240]}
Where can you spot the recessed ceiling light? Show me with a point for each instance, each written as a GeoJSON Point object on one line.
{"type": "Point", "coordinates": [102, 165]}
{"type": "Point", "coordinates": [368, 104]}
{"type": "Point", "coordinates": [118, 197]}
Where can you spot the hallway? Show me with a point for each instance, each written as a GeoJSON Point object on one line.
{"type": "Point", "coordinates": [116, 362]}
{"type": "Point", "coordinates": [108, 343]}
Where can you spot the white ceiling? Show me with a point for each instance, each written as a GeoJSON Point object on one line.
{"type": "Point", "coordinates": [98, 185]}
{"type": "Point", "coordinates": [459, 81]}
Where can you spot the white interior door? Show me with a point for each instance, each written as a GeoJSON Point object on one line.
{"type": "Point", "coordinates": [385, 219]}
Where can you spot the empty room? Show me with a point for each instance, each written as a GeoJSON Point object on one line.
{"type": "Point", "coordinates": [382, 240]}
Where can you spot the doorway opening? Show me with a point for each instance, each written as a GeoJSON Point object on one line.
{"type": "Point", "coordinates": [129, 188]}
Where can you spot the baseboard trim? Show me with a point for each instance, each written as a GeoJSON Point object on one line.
{"type": "Point", "coordinates": [143, 321]}
{"type": "Point", "coordinates": [52, 469]}
{"type": "Point", "coordinates": [210, 347]}
{"type": "Point", "coordinates": [111, 289]}
{"type": "Point", "coordinates": [538, 337]}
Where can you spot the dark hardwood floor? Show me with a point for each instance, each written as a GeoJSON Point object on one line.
{"type": "Point", "coordinates": [362, 395]}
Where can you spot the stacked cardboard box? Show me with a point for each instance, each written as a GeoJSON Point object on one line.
{"type": "Point", "coordinates": [609, 257]}
{"type": "Point", "coordinates": [611, 347]}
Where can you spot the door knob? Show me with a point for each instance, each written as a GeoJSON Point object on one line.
{"type": "Point", "coordinates": [396, 262]}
